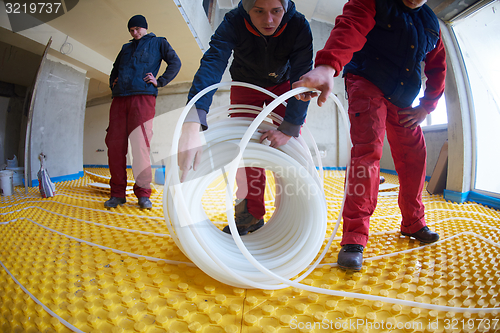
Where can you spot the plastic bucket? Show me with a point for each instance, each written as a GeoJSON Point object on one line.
{"type": "Point", "coordinates": [160, 176]}
{"type": "Point", "coordinates": [12, 163]}
{"type": "Point", "coordinates": [18, 175]}
{"type": "Point", "coordinates": [6, 182]}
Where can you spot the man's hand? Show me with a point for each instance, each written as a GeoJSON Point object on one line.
{"type": "Point", "coordinates": [150, 79]}
{"type": "Point", "coordinates": [189, 155]}
{"type": "Point", "coordinates": [415, 117]}
{"type": "Point", "coordinates": [114, 83]}
{"type": "Point", "coordinates": [275, 137]}
{"type": "Point", "coordinates": [320, 78]}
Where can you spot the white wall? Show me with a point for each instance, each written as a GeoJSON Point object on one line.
{"type": "Point", "coordinates": [170, 103]}
{"type": "Point", "coordinates": [434, 139]}
{"type": "Point", "coordinates": [322, 122]}
{"type": "Point", "coordinates": [198, 21]}
{"type": "Point", "coordinates": [58, 116]}
{"type": "Point", "coordinates": [94, 132]}
{"type": "Point", "coordinates": [326, 122]}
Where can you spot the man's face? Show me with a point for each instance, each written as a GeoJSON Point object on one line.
{"type": "Point", "coordinates": [414, 3]}
{"type": "Point", "coordinates": [266, 16]}
{"type": "Point", "coordinates": [137, 32]}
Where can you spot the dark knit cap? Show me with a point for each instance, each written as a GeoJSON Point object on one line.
{"type": "Point", "coordinates": [248, 4]}
{"type": "Point", "coordinates": [138, 21]}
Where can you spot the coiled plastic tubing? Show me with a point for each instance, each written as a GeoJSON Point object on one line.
{"type": "Point", "coordinates": [288, 243]}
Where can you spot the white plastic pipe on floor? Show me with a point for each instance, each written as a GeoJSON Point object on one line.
{"type": "Point", "coordinates": [288, 243]}
{"type": "Point", "coordinates": [293, 236]}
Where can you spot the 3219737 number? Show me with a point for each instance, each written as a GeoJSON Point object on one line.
{"type": "Point", "coordinates": [471, 324]}
{"type": "Point", "coordinates": [32, 8]}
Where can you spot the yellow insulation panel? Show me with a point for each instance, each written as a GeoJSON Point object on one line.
{"type": "Point", "coordinates": [69, 264]}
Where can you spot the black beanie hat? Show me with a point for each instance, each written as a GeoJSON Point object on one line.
{"type": "Point", "coordinates": [248, 4]}
{"type": "Point", "coordinates": [137, 21]}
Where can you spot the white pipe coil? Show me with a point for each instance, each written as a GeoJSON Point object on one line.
{"type": "Point", "coordinates": [265, 259]}
{"type": "Point", "coordinates": [289, 241]}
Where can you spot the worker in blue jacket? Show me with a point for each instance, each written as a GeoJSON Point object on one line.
{"type": "Point", "coordinates": [271, 43]}
{"type": "Point", "coordinates": [134, 89]}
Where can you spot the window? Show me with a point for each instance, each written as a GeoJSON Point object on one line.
{"type": "Point", "coordinates": [208, 7]}
{"type": "Point", "coordinates": [436, 117]}
{"type": "Point", "coordinates": [479, 43]}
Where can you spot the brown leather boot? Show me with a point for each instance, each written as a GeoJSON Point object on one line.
{"type": "Point", "coordinates": [245, 222]}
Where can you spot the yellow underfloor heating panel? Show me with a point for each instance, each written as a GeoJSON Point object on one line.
{"type": "Point", "coordinates": [70, 265]}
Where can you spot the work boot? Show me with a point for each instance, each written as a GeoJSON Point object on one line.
{"type": "Point", "coordinates": [245, 222]}
{"type": "Point", "coordinates": [351, 257]}
{"type": "Point", "coordinates": [114, 202]}
{"type": "Point", "coordinates": [425, 235]}
{"type": "Point", "coordinates": [145, 203]}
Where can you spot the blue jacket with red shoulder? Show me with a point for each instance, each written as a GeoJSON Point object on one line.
{"type": "Point", "coordinates": [261, 60]}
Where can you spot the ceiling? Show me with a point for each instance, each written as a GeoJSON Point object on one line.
{"type": "Point", "coordinates": [90, 34]}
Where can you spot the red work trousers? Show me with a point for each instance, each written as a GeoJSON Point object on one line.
{"type": "Point", "coordinates": [251, 182]}
{"type": "Point", "coordinates": [371, 115]}
{"type": "Point", "coordinates": [130, 117]}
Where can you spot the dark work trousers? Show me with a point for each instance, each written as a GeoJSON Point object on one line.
{"type": "Point", "coordinates": [251, 182]}
{"type": "Point", "coordinates": [371, 115]}
{"type": "Point", "coordinates": [130, 117]}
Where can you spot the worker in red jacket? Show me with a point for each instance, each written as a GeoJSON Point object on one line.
{"type": "Point", "coordinates": [380, 44]}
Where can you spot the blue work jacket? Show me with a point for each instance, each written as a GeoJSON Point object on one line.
{"type": "Point", "coordinates": [394, 49]}
{"type": "Point", "coordinates": [139, 57]}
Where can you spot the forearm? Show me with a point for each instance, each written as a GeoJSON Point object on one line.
{"type": "Point", "coordinates": [212, 67]}
{"type": "Point", "coordinates": [435, 71]}
{"type": "Point", "coordinates": [295, 116]}
{"type": "Point", "coordinates": [198, 116]}
{"type": "Point", "coordinates": [348, 35]}
{"type": "Point", "coordinates": [173, 64]}
{"type": "Point", "coordinates": [114, 71]}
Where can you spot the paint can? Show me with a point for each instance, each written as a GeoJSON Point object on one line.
{"type": "Point", "coordinates": [18, 175]}
{"type": "Point", "coordinates": [6, 182]}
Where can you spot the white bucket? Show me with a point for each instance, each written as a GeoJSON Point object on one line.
{"type": "Point", "coordinates": [12, 163]}
{"type": "Point", "coordinates": [18, 175]}
{"type": "Point", "coordinates": [6, 182]}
